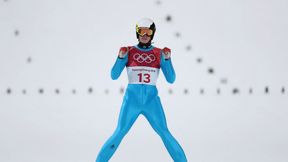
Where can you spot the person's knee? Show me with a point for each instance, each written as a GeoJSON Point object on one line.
{"type": "Point", "coordinates": [122, 131]}
{"type": "Point", "coordinates": [163, 132]}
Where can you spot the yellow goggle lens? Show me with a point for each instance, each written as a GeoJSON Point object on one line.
{"type": "Point", "coordinates": [143, 31]}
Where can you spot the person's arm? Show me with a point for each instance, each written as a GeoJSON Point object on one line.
{"type": "Point", "coordinates": [166, 65]}
{"type": "Point", "coordinates": [120, 63]}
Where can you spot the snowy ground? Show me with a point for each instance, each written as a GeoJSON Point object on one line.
{"type": "Point", "coordinates": [72, 45]}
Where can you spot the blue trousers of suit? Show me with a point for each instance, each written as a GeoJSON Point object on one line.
{"type": "Point", "coordinates": [134, 104]}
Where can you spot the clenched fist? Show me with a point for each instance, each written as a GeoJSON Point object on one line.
{"type": "Point", "coordinates": [167, 53]}
{"type": "Point", "coordinates": [123, 52]}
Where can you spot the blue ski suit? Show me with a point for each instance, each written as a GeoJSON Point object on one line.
{"type": "Point", "coordinates": [141, 97]}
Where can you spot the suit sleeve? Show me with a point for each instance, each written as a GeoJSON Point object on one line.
{"type": "Point", "coordinates": [167, 69]}
{"type": "Point", "coordinates": [118, 67]}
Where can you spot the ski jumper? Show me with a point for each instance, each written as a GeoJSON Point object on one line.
{"type": "Point", "coordinates": [141, 97]}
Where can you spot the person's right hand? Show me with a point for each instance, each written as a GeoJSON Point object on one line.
{"type": "Point", "coordinates": [123, 52]}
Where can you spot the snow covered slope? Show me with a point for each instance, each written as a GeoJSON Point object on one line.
{"type": "Point", "coordinates": [228, 104]}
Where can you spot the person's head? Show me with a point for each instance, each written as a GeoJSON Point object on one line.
{"type": "Point", "coordinates": [145, 30]}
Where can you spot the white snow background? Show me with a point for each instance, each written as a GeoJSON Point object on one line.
{"type": "Point", "coordinates": [71, 45]}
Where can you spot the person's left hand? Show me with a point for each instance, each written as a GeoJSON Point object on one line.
{"type": "Point", "coordinates": [167, 53]}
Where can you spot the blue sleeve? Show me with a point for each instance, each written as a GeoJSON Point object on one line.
{"type": "Point", "coordinates": [167, 69]}
{"type": "Point", "coordinates": [118, 67]}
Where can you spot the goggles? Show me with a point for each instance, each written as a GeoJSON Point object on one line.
{"type": "Point", "coordinates": [143, 31]}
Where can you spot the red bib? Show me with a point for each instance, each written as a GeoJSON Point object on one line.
{"type": "Point", "coordinates": [137, 57]}
{"type": "Point", "coordinates": [143, 66]}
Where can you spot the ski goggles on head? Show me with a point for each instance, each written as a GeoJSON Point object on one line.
{"type": "Point", "coordinates": [143, 31]}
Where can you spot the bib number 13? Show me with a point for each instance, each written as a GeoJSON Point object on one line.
{"type": "Point", "coordinates": [144, 77]}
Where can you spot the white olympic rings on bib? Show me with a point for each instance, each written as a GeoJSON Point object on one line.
{"type": "Point", "coordinates": [144, 57]}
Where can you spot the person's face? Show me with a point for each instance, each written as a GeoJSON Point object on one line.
{"type": "Point", "coordinates": [144, 39]}
{"type": "Point", "coordinates": [144, 35]}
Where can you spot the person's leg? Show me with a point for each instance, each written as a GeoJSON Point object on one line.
{"type": "Point", "coordinates": [156, 117]}
{"type": "Point", "coordinates": [127, 117]}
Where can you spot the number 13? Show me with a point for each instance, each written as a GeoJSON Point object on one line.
{"type": "Point", "coordinates": [146, 77]}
